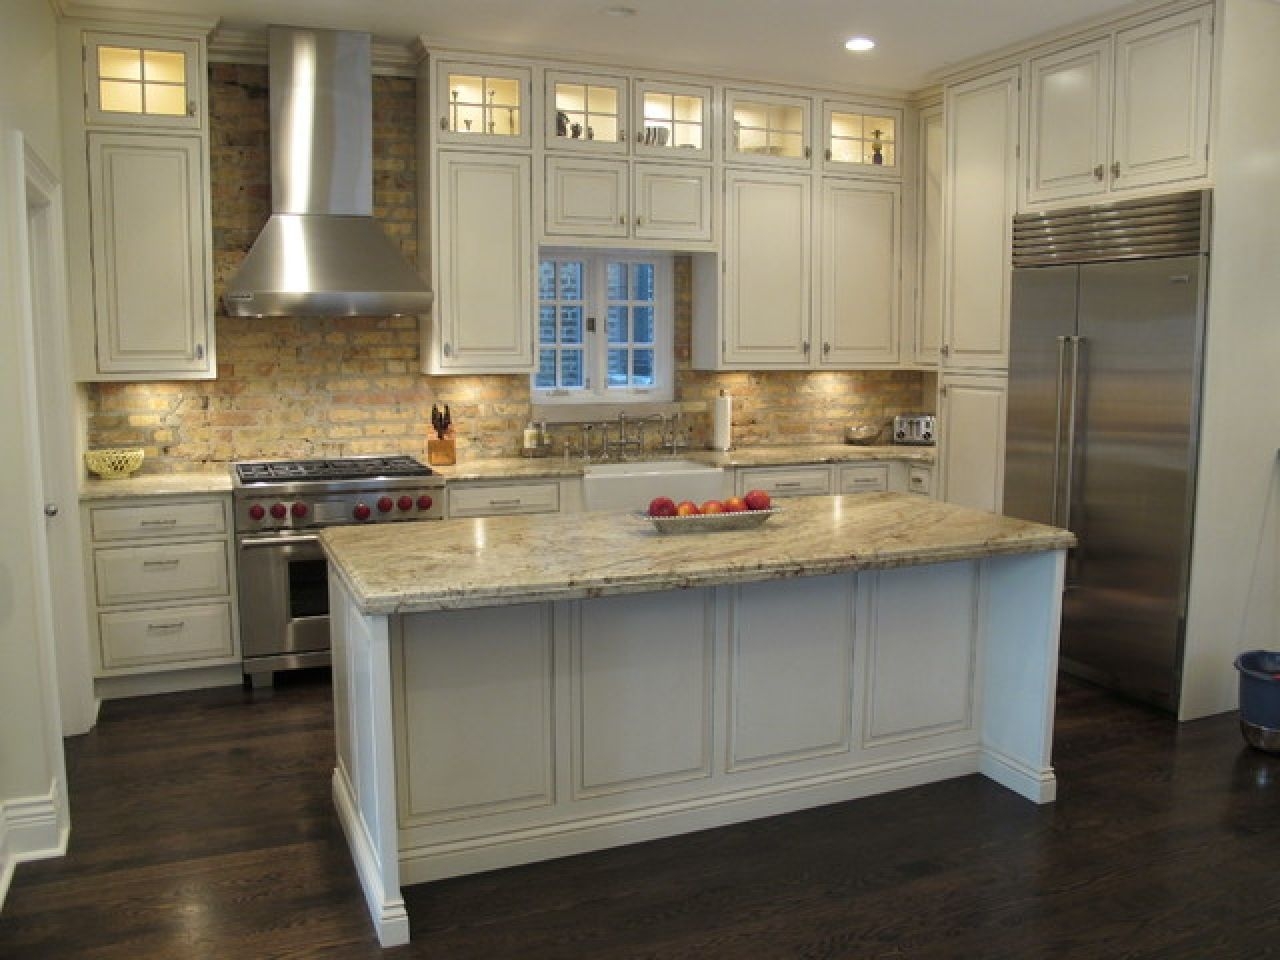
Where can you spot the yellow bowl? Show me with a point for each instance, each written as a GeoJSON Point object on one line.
{"type": "Point", "coordinates": [114, 461]}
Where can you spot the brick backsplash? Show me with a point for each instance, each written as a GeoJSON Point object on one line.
{"type": "Point", "coordinates": [291, 387]}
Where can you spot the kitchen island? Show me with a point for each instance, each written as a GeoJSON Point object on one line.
{"type": "Point", "coordinates": [527, 687]}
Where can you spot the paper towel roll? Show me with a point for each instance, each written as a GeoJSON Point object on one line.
{"type": "Point", "coordinates": [722, 422]}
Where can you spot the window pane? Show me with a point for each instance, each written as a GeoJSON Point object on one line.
{"type": "Point", "coordinates": [571, 281]}
{"type": "Point", "coordinates": [642, 274]}
{"type": "Point", "coordinates": [571, 372]}
{"type": "Point", "coordinates": [618, 368]}
{"type": "Point", "coordinates": [546, 324]}
{"type": "Point", "coordinates": [642, 368]}
{"type": "Point", "coordinates": [570, 324]}
{"type": "Point", "coordinates": [617, 324]}
{"type": "Point", "coordinates": [169, 101]}
{"type": "Point", "coordinates": [642, 325]}
{"type": "Point", "coordinates": [120, 63]}
{"type": "Point", "coordinates": [545, 378]}
{"type": "Point", "coordinates": [546, 280]}
{"type": "Point", "coordinates": [164, 66]}
{"type": "Point", "coordinates": [617, 276]}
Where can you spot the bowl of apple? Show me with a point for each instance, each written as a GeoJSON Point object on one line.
{"type": "Point", "coordinates": [733, 513]}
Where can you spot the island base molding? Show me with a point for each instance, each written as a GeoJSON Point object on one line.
{"type": "Point", "coordinates": [474, 739]}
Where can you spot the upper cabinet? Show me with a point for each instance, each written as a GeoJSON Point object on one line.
{"type": "Point", "coordinates": [861, 140]}
{"type": "Point", "coordinates": [673, 121]}
{"type": "Point", "coordinates": [482, 104]}
{"type": "Point", "coordinates": [140, 274]}
{"type": "Point", "coordinates": [586, 112]}
{"type": "Point", "coordinates": [931, 172]}
{"type": "Point", "coordinates": [768, 128]}
{"type": "Point", "coordinates": [1124, 112]}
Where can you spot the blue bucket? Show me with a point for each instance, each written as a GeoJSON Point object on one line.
{"type": "Point", "coordinates": [1260, 698]}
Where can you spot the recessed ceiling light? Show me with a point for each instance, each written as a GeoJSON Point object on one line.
{"type": "Point", "coordinates": [619, 11]}
{"type": "Point", "coordinates": [859, 44]}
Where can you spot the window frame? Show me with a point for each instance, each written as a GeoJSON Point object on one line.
{"type": "Point", "coordinates": [595, 334]}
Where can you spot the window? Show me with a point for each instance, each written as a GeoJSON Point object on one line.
{"type": "Point", "coordinates": [604, 328]}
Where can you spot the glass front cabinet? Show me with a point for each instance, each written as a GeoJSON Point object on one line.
{"type": "Point", "coordinates": [477, 103]}
{"type": "Point", "coordinates": [586, 112]}
{"type": "Point", "coordinates": [768, 128]}
{"type": "Point", "coordinates": [673, 121]}
{"type": "Point", "coordinates": [862, 140]}
{"type": "Point", "coordinates": [145, 82]}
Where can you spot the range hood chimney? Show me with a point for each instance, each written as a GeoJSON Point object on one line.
{"type": "Point", "coordinates": [321, 253]}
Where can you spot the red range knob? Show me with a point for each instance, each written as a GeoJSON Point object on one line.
{"type": "Point", "coordinates": [424, 502]}
{"type": "Point", "coordinates": [361, 512]}
{"type": "Point", "coordinates": [257, 512]}
{"type": "Point", "coordinates": [299, 510]}
{"type": "Point", "coordinates": [385, 504]}
{"type": "Point", "coordinates": [405, 503]}
{"type": "Point", "coordinates": [278, 510]}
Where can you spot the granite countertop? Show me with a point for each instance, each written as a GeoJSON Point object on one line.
{"type": "Point", "coordinates": [456, 564]}
{"type": "Point", "coordinates": [512, 468]}
{"type": "Point", "coordinates": [212, 480]}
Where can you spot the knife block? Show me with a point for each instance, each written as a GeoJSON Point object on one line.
{"type": "Point", "coordinates": [442, 451]}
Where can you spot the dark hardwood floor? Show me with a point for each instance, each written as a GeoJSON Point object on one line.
{"type": "Point", "coordinates": [203, 828]}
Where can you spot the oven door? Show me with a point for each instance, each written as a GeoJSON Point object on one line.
{"type": "Point", "coordinates": [284, 600]}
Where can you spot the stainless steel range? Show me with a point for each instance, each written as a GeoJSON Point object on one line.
{"type": "Point", "coordinates": [279, 505]}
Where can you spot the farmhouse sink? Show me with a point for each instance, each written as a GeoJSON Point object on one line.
{"type": "Point", "coordinates": [630, 486]}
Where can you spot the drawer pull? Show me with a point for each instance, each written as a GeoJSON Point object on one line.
{"type": "Point", "coordinates": [505, 503]}
{"type": "Point", "coordinates": [161, 563]}
{"type": "Point", "coordinates": [168, 522]}
{"type": "Point", "coordinates": [166, 627]}
{"type": "Point", "coordinates": [788, 483]}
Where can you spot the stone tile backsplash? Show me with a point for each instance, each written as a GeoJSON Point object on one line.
{"type": "Point", "coordinates": [290, 387]}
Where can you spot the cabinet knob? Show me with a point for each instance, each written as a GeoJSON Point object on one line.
{"type": "Point", "coordinates": [806, 348]}
{"type": "Point", "coordinates": [444, 123]}
{"type": "Point", "coordinates": [191, 108]}
{"type": "Point", "coordinates": [1115, 169]}
{"type": "Point", "coordinates": [199, 351]}
{"type": "Point", "coordinates": [622, 219]}
{"type": "Point", "coordinates": [50, 509]}
{"type": "Point", "coordinates": [808, 152]}
{"type": "Point", "coordinates": [827, 153]}
{"type": "Point", "coordinates": [448, 350]}
{"type": "Point", "coordinates": [622, 136]}
{"type": "Point", "coordinates": [639, 221]}
{"type": "Point", "coordinates": [1099, 172]}
{"type": "Point", "coordinates": [826, 347]}
{"type": "Point", "coordinates": [945, 350]}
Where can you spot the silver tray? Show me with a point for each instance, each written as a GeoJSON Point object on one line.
{"type": "Point", "coordinates": [709, 522]}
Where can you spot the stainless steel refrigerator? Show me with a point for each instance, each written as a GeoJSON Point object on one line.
{"type": "Point", "coordinates": [1107, 331]}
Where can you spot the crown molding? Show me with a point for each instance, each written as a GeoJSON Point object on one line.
{"type": "Point", "coordinates": [240, 44]}
{"type": "Point", "coordinates": [70, 10]}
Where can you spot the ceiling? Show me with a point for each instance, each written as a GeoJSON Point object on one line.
{"type": "Point", "coordinates": [788, 41]}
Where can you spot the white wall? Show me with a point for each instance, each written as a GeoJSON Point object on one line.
{"type": "Point", "coordinates": [1235, 582]}
{"type": "Point", "coordinates": [30, 744]}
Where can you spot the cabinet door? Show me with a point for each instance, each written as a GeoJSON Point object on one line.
{"type": "Point", "coordinates": [860, 294]}
{"type": "Point", "coordinates": [812, 481]}
{"type": "Point", "coordinates": [673, 121]}
{"type": "Point", "coordinates": [861, 139]}
{"type": "Point", "coordinates": [482, 104]}
{"type": "Point", "coordinates": [484, 272]}
{"type": "Point", "coordinates": [1068, 123]}
{"type": "Point", "coordinates": [672, 203]}
{"type": "Point", "coordinates": [933, 169]}
{"type": "Point", "coordinates": [767, 270]}
{"type": "Point", "coordinates": [143, 82]}
{"type": "Point", "coordinates": [982, 139]}
{"type": "Point", "coordinates": [586, 112]}
{"type": "Point", "coordinates": [1161, 131]}
{"type": "Point", "coordinates": [971, 442]}
{"type": "Point", "coordinates": [586, 198]}
{"type": "Point", "coordinates": [768, 128]}
{"type": "Point", "coordinates": [151, 277]}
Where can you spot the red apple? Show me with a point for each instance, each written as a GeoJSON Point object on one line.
{"type": "Point", "coordinates": [662, 507]}
{"type": "Point", "coordinates": [713, 506]}
{"type": "Point", "coordinates": [735, 505]}
{"type": "Point", "coordinates": [757, 500]}
{"type": "Point", "coordinates": [686, 508]}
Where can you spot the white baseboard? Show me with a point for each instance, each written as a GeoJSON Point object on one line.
{"type": "Point", "coordinates": [31, 828]}
{"type": "Point", "coordinates": [168, 681]}
{"type": "Point", "coordinates": [390, 919]}
{"type": "Point", "coordinates": [1038, 786]}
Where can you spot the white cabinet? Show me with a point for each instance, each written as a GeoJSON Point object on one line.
{"type": "Point", "coordinates": [482, 256]}
{"type": "Point", "coordinates": [784, 481]}
{"type": "Point", "coordinates": [863, 478]}
{"type": "Point", "coordinates": [480, 104]}
{"type": "Point", "coordinates": [150, 240]}
{"type": "Point", "coordinates": [1121, 112]}
{"type": "Point", "coordinates": [981, 145]}
{"type": "Point", "coordinates": [586, 112]}
{"type": "Point", "coordinates": [860, 273]}
{"type": "Point", "coordinates": [861, 139]}
{"type": "Point", "coordinates": [163, 583]}
{"type": "Point", "coordinates": [503, 499]}
{"type": "Point", "coordinates": [920, 480]}
{"type": "Point", "coordinates": [140, 274]}
{"type": "Point", "coordinates": [673, 121]}
{"type": "Point", "coordinates": [971, 418]}
{"type": "Point", "coordinates": [768, 128]}
{"type": "Point", "coordinates": [767, 270]}
{"type": "Point", "coordinates": [932, 171]}
{"type": "Point", "coordinates": [614, 198]}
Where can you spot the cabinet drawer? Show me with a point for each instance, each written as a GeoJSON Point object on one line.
{"type": "Point", "coordinates": [492, 501]}
{"type": "Point", "coordinates": [178, 519]}
{"type": "Point", "coordinates": [864, 478]}
{"type": "Point", "coordinates": [175, 634]}
{"type": "Point", "coordinates": [161, 572]}
{"type": "Point", "coordinates": [920, 480]}
{"type": "Point", "coordinates": [793, 482]}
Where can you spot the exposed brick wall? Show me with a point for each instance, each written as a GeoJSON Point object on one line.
{"type": "Point", "coordinates": [301, 387]}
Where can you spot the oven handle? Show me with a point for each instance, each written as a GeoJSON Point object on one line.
{"type": "Point", "coordinates": [279, 541]}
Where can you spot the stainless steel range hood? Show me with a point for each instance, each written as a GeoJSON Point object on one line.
{"type": "Point", "coordinates": [322, 253]}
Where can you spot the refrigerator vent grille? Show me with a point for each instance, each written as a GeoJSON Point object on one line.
{"type": "Point", "coordinates": [1166, 226]}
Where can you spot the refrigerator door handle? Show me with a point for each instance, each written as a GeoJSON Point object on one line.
{"type": "Point", "coordinates": [1057, 433]}
{"type": "Point", "coordinates": [1073, 559]}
